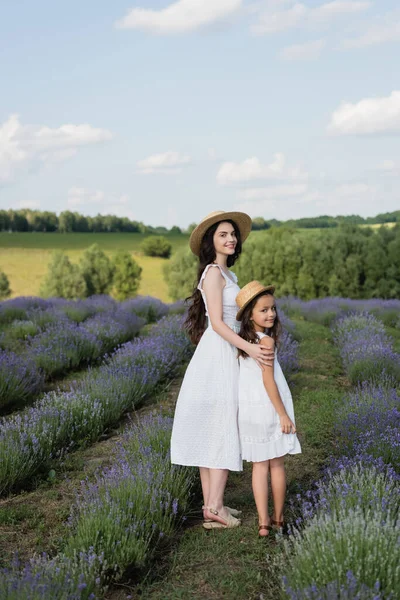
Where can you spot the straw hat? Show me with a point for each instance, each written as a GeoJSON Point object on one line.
{"type": "Point", "coordinates": [242, 220]}
{"type": "Point", "coordinates": [248, 292]}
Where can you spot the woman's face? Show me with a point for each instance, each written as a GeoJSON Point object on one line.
{"type": "Point", "coordinates": [225, 239]}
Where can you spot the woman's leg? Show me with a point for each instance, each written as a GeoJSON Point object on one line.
{"type": "Point", "coordinates": [278, 486]}
{"type": "Point", "coordinates": [217, 483]}
{"type": "Point", "coordinates": [205, 484]}
{"type": "Point", "coordinates": [260, 490]}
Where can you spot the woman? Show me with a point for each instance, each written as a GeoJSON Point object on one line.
{"type": "Point", "coordinates": [205, 430]}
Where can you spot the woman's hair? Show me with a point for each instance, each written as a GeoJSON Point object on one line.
{"type": "Point", "coordinates": [247, 331]}
{"type": "Point", "coordinates": [195, 322]}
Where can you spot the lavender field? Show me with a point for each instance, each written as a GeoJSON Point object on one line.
{"type": "Point", "coordinates": [344, 525]}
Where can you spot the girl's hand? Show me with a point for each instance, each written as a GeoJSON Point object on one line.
{"type": "Point", "coordinates": [262, 355]}
{"type": "Point", "coordinates": [287, 425]}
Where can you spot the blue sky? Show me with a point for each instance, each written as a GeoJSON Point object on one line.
{"type": "Point", "coordinates": [164, 111]}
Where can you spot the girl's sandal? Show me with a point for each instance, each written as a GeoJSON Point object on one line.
{"type": "Point", "coordinates": [266, 528]}
{"type": "Point", "coordinates": [228, 523]}
{"type": "Point", "coordinates": [278, 525]}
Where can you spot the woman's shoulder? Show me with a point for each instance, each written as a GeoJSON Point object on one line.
{"type": "Point", "coordinates": [211, 273]}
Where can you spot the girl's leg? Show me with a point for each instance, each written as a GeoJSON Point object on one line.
{"type": "Point", "coordinates": [205, 484]}
{"type": "Point", "coordinates": [278, 486]}
{"type": "Point", "coordinates": [260, 490]}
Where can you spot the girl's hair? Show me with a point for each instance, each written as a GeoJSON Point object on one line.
{"type": "Point", "coordinates": [247, 331]}
{"type": "Point", "coordinates": [195, 322]}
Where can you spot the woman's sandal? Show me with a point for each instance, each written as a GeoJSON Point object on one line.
{"type": "Point", "coordinates": [266, 528]}
{"type": "Point", "coordinates": [229, 523]}
{"type": "Point", "coordinates": [231, 511]}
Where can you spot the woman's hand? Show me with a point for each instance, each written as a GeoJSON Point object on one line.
{"type": "Point", "coordinates": [262, 355]}
{"type": "Point", "coordinates": [287, 424]}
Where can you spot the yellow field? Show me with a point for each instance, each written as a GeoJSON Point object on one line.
{"type": "Point", "coordinates": [25, 269]}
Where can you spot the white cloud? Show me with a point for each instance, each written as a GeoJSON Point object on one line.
{"type": "Point", "coordinates": [306, 51]}
{"type": "Point", "coordinates": [337, 8]}
{"type": "Point", "coordinates": [251, 169]}
{"type": "Point", "coordinates": [167, 163]}
{"type": "Point", "coordinates": [32, 204]}
{"type": "Point", "coordinates": [83, 199]}
{"type": "Point", "coordinates": [382, 30]}
{"type": "Point", "coordinates": [180, 17]}
{"type": "Point", "coordinates": [274, 191]}
{"type": "Point", "coordinates": [272, 20]}
{"type": "Point", "coordinates": [389, 167]}
{"type": "Point", "coordinates": [22, 146]}
{"type": "Point", "coordinates": [281, 203]}
{"type": "Point", "coordinates": [368, 116]}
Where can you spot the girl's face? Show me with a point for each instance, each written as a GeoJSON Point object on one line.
{"type": "Point", "coordinates": [264, 313]}
{"type": "Point", "coordinates": [225, 239]}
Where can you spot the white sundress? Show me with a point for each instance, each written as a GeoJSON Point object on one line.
{"type": "Point", "coordinates": [205, 429]}
{"type": "Point", "coordinates": [260, 432]}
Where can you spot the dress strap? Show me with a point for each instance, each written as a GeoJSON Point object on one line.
{"type": "Point", "coordinates": [261, 335]}
{"type": "Point", "coordinates": [200, 285]}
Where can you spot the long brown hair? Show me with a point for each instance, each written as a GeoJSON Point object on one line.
{"type": "Point", "coordinates": [247, 331]}
{"type": "Point", "coordinates": [195, 322]}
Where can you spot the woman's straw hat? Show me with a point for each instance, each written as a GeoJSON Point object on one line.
{"type": "Point", "coordinates": [242, 220]}
{"type": "Point", "coordinates": [248, 292]}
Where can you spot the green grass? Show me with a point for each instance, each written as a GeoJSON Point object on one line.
{"type": "Point", "coordinates": [24, 257]}
{"type": "Point", "coordinates": [235, 564]}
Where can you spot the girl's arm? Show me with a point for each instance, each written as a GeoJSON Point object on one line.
{"type": "Point", "coordinates": [287, 424]}
{"type": "Point", "coordinates": [213, 285]}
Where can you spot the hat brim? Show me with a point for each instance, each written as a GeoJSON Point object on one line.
{"type": "Point", "coordinates": [259, 292]}
{"type": "Point", "coordinates": [242, 220]}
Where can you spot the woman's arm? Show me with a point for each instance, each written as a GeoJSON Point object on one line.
{"type": "Point", "coordinates": [272, 390]}
{"type": "Point", "coordinates": [213, 286]}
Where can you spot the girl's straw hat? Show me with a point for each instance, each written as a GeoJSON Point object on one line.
{"type": "Point", "coordinates": [248, 292]}
{"type": "Point", "coordinates": [242, 220]}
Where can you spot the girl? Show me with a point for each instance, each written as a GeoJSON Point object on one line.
{"type": "Point", "coordinates": [205, 430]}
{"type": "Point", "coordinates": [266, 418]}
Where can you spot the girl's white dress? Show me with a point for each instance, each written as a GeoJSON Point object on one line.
{"type": "Point", "coordinates": [205, 430]}
{"type": "Point", "coordinates": [260, 432]}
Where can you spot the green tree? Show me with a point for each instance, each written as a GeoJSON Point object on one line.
{"type": "Point", "coordinates": [190, 228]}
{"type": "Point", "coordinates": [127, 275]}
{"type": "Point", "coordinates": [5, 291]}
{"type": "Point", "coordinates": [66, 222]}
{"type": "Point", "coordinates": [180, 274]}
{"type": "Point", "coordinates": [63, 279]}
{"type": "Point", "coordinates": [175, 230]}
{"type": "Point", "coordinates": [156, 245]}
{"type": "Point", "coordinates": [97, 270]}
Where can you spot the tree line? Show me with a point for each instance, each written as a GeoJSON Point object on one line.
{"type": "Point", "coordinates": [67, 221]}
{"type": "Point", "coordinates": [349, 261]}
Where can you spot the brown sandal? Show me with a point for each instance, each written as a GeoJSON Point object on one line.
{"type": "Point", "coordinates": [264, 528]}
{"type": "Point", "coordinates": [277, 525]}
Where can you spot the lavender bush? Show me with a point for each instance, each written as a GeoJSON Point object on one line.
{"type": "Point", "coordinates": [20, 378]}
{"type": "Point", "coordinates": [326, 310]}
{"type": "Point", "coordinates": [360, 483]}
{"type": "Point", "coordinates": [135, 503]}
{"type": "Point", "coordinates": [60, 578]}
{"type": "Point", "coordinates": [329, 547]}
{"type": "Point", "coordinates": [365, 348]}
{"type": "Point", "coordinates": [368, 422]}
{"type": "Point", "coordinates": [30, 440]}
{"type": "Point", "coordinates": [63, 347]}
{"type": "Point", "coordinates": [116, 522]}
{"type": "Point", "coordinates": [334, 590]}
{"type": "Point", "coordinates": [150, 309]}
